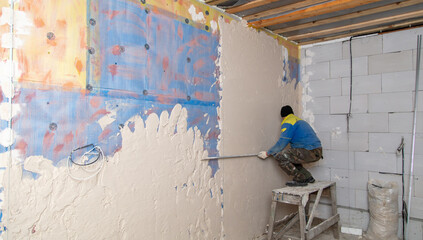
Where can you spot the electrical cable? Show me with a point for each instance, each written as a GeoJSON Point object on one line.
{"type": "Point", "coordinates": [351, 74]}
{"type": "Point", "coordinates": [100, 157]}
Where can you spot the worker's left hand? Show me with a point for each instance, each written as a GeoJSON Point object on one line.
{"type": "Point", "coordinates": [263, 155]}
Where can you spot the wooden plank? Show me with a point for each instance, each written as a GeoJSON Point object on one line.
{"type": "Point", "coordinates": [286, 8]}
{"type": "Point", "coordinates": [336, 5]}
{"type": "Point", "coordinates": [287, 198]}
{"type": "Point", "coordinates": [249, 5]}
{"type": "Point", "coordinates": [271, 220]}
{"type": "Point", "coordinates": [215, 2]}
{"type": "Point", "coordinates": [336, 228]}
{"type": "Point", "coordinates": [284, 220]}
{"type": "Point", "coordinates": [388, 19]}
{"type": "Point", "coordinates": [349, 16]}
{"type": "Point", "coordinates": [310, 221]}
{"type": "Point", "coordinates": [365, 32]}
{"type": "Point", "coordinates": [322, 226]}
{"type": "Point", "coordinates": [301, 215]}
{"type": "Point", "coordinates": [287, 227]}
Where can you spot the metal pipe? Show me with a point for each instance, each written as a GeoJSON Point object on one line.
{"type": "Point", "coordinates": [413, 143]}
{"type": "Point", "coordinates": [224, 157]}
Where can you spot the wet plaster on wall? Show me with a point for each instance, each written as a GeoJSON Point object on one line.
{"type": "Point", "coordinates": [252, 79]}
{"type": "Point", "coordinates": [156, 187]}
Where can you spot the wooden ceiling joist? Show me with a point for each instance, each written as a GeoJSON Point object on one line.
{"type": "Point", "coordinates": [282, 9]}
{"type": "Point", "coordinates": [215, 2]}
{"type": "Point", "coordinates": [336, 5]}
{"type": "Point", "coordinates": [356, 14]}
{"type": "Point", "coordinates": [366, 32]}
{"type": "Point", "coordinates": [249, 5]}
{"type": "Point", "coordinates": [384, 20]}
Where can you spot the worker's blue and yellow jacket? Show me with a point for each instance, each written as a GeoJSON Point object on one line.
{"type": "Point", "coordinates": [297, 132]}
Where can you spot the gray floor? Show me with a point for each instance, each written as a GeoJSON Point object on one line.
{"type": "Point", "coordinates": [326, 235]}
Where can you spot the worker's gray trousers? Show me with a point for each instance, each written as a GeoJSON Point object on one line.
{"type": "Point", "coordinates": [291, 160]}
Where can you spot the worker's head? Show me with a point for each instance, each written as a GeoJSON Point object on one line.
{"type": "Point", "coordinates": [286, 110]}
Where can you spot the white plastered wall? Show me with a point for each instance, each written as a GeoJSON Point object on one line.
{"type": "Point", "coordinates": [253, 93]}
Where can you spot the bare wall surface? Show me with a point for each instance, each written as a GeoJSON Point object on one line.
{"type": "Point", "coordinates": [143, 82]}
{"type": "Point", "coordinates": [253, 93]}
{"type": "Point", "coordinates": [383, 84]}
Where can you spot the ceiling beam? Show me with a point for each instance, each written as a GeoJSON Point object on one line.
{"type": "Point", "coordinates": [336, 5]}
{"type": "Point", "coordinates": [286, 8]}
{"type": "Point", "coordinates": [384, 20]}
{"type": "Point", "coordinates": [365, 32]}
{"type": "Point", "coordinates": [215, 2]}
{"type": "Point", "coordinates": [249, 5]}
{"type": "Point", "coordinates": [348, 16]}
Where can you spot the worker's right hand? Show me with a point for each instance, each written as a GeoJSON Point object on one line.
{"type": "Point", "coordinates": [263, 155]}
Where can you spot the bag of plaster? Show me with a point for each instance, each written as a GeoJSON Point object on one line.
{"type": "Point", "coordinates": [383, 208]}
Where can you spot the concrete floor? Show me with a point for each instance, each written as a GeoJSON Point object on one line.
{"type": "Point", "coordinates": [325, 235]}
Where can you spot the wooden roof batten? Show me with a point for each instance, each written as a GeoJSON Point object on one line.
{"type": "Point", "coordinates": [352, 15]}
{"type": "Point", "coordinates": [310, 21]}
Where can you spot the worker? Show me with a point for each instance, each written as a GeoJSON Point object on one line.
{"type": "Point", "coordinates": [297, 144]}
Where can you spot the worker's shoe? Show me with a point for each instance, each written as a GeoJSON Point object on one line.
{"type": "Point", "coordinates": [300, 182]}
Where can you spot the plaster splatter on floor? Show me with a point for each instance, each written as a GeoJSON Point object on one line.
{"type": "Point", "coordinates": [156, 187]}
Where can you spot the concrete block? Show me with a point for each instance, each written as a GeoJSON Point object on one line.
{"type": "Point", "coordinates": [335, 159]}
{"type": "Point", "coordinates": [330, 123]}
{"type": "Point", "coordinates": [353, 218]}
{"type": "Point", "coordinates": [365, 46]}
{"type": "Point", "coordinates": [415, 230]}
{"type": "Point", "coordinates": [391, 62]}
{"type": "Point", "coordinates": [420, 101]}
{"type": "Point", "coordinates": [341, 177]}
{"type": "Point", "coordinates": [387, 142]}
{"type": "Point", "coordinates": [358, 142]}
{"type": "Point", "coordinates": [345, 197]}
{"type": "Point", "coordinates": [318, 71]}
{"type": "Point", "coordinates": [385, 178]}
{"type": "Point", "coordinates": [416, 209]}
{"type": "Point", "coordinates": [341, 68]}
{"type": "Point", "coordinates": [358, 179]}
{"type": "Point", "coordinates": [418, 189]}
{"type": "Point", "coordinates": [361, 201]}
{"type": "Point", "coordinates": [419, 144]}
{"type": "Point", "coordinates": [418, 164]}
{"type": "Point", "coordinates": [322, 88]}
{"type": "Point", "coordinates": [319, 105]}
{"type": "Point", "coordinates": [325, 139]}
{"type": "Point", "coordinates": [351, 160]}
{"type": "Point", "coordinates": [377, 162]}
{"type": "Point", "coordinates": [415, 63]}
{"type": "Point", "coordinates": [391, 102]}
{"type": "Point", "coordinates": [362, 85]}
{"type": "Point", "coordinates": [341, 104]}
{"type": "Point", "coordinates": [399, 81]}
{"type": "Point", "coordinates": [323, 211]}
{"type": "Point", "coordinates": [401, 40]}
{"type": "Point", "coordinates": [325, 52]}
{"type": "Point", "coordinates": [320, 173]}
{"type": "Point", "coordinates": [339, 141]}
{"type": "Point", "coordinates": [403, 122]}
{"type": "Point", "coordinates": [371, 122]}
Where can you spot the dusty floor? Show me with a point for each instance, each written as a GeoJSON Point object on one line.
{"type": "Point", "coordinates": [325, 235]}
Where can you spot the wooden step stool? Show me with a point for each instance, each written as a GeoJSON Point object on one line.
{"type": "Point", "coordinates": [300, 196]}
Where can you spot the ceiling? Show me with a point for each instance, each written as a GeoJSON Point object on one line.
{"type": "Point", "coordinates": [312, 21]}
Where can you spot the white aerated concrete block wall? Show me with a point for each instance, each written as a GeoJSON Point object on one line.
{"type": "Point", "coordinates": [364, 146]}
